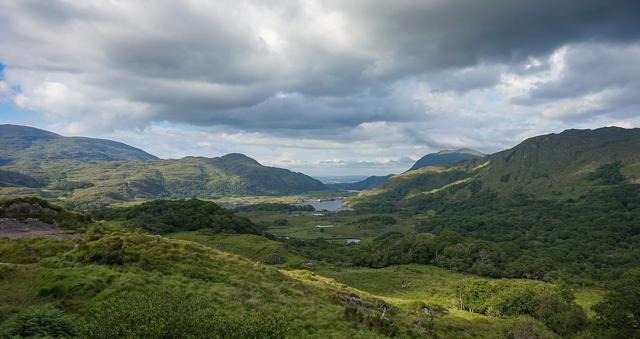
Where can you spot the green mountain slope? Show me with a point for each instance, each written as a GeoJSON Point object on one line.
{"type": "Point", "coordinates": [368, 183]}
{"type": "Point", "coordinates": [94, 173]}
{"type": "Point", "coordinates": [21, 143]}
{"type": "Point", "coordinates": [443, 158]}
{"type": "Point", "coordinates": [564, 165]}
{"type": "Point", "coordinates": [96, 185]}
{"type": "Point", "coordinates": [564, 204]}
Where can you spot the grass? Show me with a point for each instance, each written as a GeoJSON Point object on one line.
{"type": "Point", "coordinates": [237, 284]}
{"type": "Point", "coordinates": [70, 278]}
{"type": "Point", "coordinates": [587, 297]}
{"type": "Point", "coordinates": [254, 247]}
{"type": "Point", "coordinates": [303, 225]}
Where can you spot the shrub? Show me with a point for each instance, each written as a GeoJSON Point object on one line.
{"type": "Point", "coordinates": [562, 317]}
{"type": "Point", "coordinates": [166, 216]}
{"type": "Point", "coordinates": [608, 174]}
{"type": "Point", "coordinates": [516, 300]}
{"type": "Point", "coordinates": [175, 314]}
{"type": "Point", "coordinates": [619, 313]}
{"type": "Point", "coordinates": [38, 321]}
{"type": "Point", "coordinates": [281, 222]}
{"type": "Point", "coordinates": [106, 251]}
{"type": "Point", "coordinates": [525, 327]}
{"type": "Point", "coordinates": [372, 320]}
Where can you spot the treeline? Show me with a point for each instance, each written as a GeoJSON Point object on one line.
{"type": "Point", "coordinates": [274, 207]}
{"type": "Point", "coordinates": [595, 236]}
{"type": "Point", "coordinates": [166, 216]}
{"type": "Point", "coordinates": [592, 237]}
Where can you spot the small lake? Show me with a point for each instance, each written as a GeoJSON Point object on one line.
{"type": "Point", "coordinates": [333, 205]}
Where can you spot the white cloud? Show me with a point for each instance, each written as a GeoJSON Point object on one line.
{"type": "Point", "coordinates": [300, 81]}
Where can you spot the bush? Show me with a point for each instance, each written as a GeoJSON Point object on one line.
{"type": "Point", "coordinates": [281, 222]}
{"type": "Point", "coordinates": [619, 314]}
{"type": "Point", "coordinates": [516, 300]}
{"type": "Point", "coordinates": [525, 327]}
{"type": "Point", "coordinates": [175, 314]}
{"type": "Point", "coordinates": [608, 174]}
{"type": "Point", "coordinates": [106, 251]}
{"type": "Point", "coordinates": [372, 320]}
{"type": "Point", "coordinates": [552, 305]}
{"type": "Point", "coordinates": [166, 216]}
{"type": "Point", "coordinates": [39, 321]}
{"type": "Point", "coordinates": [562, 317]}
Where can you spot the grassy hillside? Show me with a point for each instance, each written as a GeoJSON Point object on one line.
{"type": "Point", "coordinates": [110, 282]}
{"type": "Point", "coordinates": [368, 183]}
{"type": "Point", "coordinates": [21, 143]}
{"type": "Point", "coordinates": [90, 185]}
{"type": "Point", "coordinates": [555, 166]}
{"type": "Point", "coordinates": [442, 158]}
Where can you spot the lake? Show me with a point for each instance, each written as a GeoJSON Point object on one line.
{"type": "Point", "coordinates": [333, 205]}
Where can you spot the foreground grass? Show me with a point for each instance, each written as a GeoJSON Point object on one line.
{"type": "Point", "coordinates": [79, 278]}
{"type": "Point", "coordinates": [71, 281]}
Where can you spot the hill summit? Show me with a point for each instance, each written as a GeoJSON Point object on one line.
{"type": "Point", "coordinates": [22, 143]}
{"type": "Point", "coordinates": [446, 157]}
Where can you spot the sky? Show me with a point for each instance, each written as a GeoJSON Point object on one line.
{"type": "Point", "coordinates": [344, 87]}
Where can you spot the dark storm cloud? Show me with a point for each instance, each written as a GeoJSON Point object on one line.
{"type": "Point", "coordinates": [294, 113]}
{"type": "Point", "coordinates": [436, 73]}
{"type": "Point", "coordinates": [417, 35]}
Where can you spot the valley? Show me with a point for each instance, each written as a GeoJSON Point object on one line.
{"type": "Point", "coordinates": [537, 241]}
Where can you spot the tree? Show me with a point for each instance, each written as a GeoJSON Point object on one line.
{"type": "Point", "coordinates": [619, 314]}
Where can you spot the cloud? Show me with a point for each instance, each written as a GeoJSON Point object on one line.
{"type": "Point", "coordinates": [591, 80]}
{"type": "Point", "coordinates": [394, 79]}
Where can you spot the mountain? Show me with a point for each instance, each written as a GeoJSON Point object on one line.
{"type": "Point", "coordinates": [99, 184]}
{"type": "Point", "coordinates": [441, 158]}
{"type": "Point", "coordinates": [564, 162]}
{"type": "Point", "coordinates": [564, 165]}
{"type": "Point", "coordinates": [22, 143]}
{"type": "Point", "coordinates": [368, 183]}
{"type": "Point", "coordinates": [94, 173]}
{"type": "Point", "coordinates": [447, 157]}
{"type": "Point", "coordinates": [556, 205]}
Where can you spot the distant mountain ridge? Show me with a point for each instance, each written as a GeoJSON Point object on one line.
{"type": "Point", "coordinates": [441, 158]}
{"type": "Point", "coordinates": [94, 173]}
{"type": "Point", "coordinates": [368, 183]}
{"type": "Point", "coordinates": [22, 143]}
{"type": "Point", "coordinates": [446, 157]}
